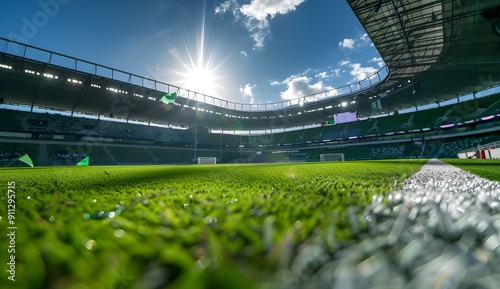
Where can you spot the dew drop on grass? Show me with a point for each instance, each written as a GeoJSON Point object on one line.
{"type": "Point", "coordinates": [202, 263]}
{"type": "Point", "coordinates": [89, 244]}
{"type": "Point", "coordinates": [94, 200]}
{"type": "Point", "coordinates": [119, 233]}
{"type": "Point", "coordinates": [52, 218]}
{"type": "Point", "coordinates": [86, 216]}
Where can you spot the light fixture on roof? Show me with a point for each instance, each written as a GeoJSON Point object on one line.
{"type": "Point", "coordinates": [416, 86]}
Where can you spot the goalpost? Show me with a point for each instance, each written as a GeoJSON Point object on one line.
{"type": "Point", "coordinates": [207, 160]}
{"type": "Point", "coordinates": [335, 157]}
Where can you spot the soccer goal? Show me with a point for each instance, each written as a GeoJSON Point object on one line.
{"type": "Point", "coordinates": [207, 160]}
{"type": "Point", "coordinates": [331, 157]}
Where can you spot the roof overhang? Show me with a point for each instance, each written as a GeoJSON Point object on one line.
{"type": "Point", "coordinates": [436, 50]}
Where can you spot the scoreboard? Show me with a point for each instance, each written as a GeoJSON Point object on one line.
{"type": "Point", "coordinates": [345, 117]}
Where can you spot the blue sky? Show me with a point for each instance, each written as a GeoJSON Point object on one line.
{"type": "Point", "coordinates": [250, 51]}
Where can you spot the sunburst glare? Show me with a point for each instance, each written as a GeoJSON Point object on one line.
{"type": "Point", "coordinates": [200, 71]}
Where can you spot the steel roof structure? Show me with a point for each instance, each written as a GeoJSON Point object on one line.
{"type": "Point", "coordinates": [434, 51]}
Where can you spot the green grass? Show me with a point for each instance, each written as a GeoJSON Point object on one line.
{"type": "Point", "coordinates": [488, 169]}
{"type": "Point", "coordinates": [210, 226]}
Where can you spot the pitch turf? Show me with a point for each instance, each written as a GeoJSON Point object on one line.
{"type": "Point", "coordinates": [488, 169]}
{"type": "Point", "coordinates": [196, 226]}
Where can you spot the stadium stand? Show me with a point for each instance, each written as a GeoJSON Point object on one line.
{"type": "Point", "coordinates": [450, 149]}
{"type": "Point", "coordinates": [61, 139]}
{"type": "Point", "coordinates": [10, 151]}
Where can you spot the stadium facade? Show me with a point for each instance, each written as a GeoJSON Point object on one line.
{"type": "Point", "coordinates": [436, 52]}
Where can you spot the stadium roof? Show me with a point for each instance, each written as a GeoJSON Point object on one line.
{"type": "Point", "coordinates": [434, 51]}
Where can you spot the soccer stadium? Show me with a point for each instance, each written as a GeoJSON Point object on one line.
{"type": "Point", "coordinates": [111, 179]}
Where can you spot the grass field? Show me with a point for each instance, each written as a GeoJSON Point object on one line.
{"type": "Point", "coordinates": [196, 226]}
{"type": "Point", "coordinates": [488, 169]}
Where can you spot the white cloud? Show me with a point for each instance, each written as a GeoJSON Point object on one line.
{"type": "Point", "coordinates": [347, 43]}
{"type": "Point", "coordinates": [224, 7]}
{"type": "Point", "coordinates": [360, 73]}
{"type": "Point", "coordinates": [344, 63]}
{"type": "Point", "coordinates": [380, 62]}
{"type": "Point", "coordinates": [300, 85]}
{"type": "Point", "coordinates": [260, 10]}
{"type": "Point", "coordinates": [364, 41]}
{"type": "Point", "coordinates": [244, 53]}
{"type": "Point", "coordinates": [256, 15]}
{"type": "Point", "coordinates": [259, 36]}
{"type": "Point", "coordinates": [247, 92]}
{"type": "Point", "coordinates": [322, 74]}
{"type": "Point", "coordinates": [328, 74]}
{"type": "Point", "coordinates": [275, 83]}
{"type": "Point", "coordinates": [356, 43]}
{"type": "Point", "coordinates": [229, 5]}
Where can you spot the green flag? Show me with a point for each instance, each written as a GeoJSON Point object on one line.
{"type": "Point", "coordinates": [26, 159]}
{"type": "Point", "coordinates": [169, 97]}
{"type": "Point", "coordinates": [84, 162]}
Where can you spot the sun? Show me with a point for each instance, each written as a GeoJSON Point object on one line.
{"type": "Point", "coordinates": [199, 66]}
{"type": "Point", "coordinates": [201, 79]}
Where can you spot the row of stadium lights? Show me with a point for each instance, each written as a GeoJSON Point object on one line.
{"type": "Point", "coordinates": [76, 81]}
{"type": "Point", "coordinates": [342, 104]}
{"type": "Point", "coordinates": [115, 90]}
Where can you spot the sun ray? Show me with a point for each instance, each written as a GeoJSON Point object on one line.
{"type": "Point", "coordinates": [199, 65]}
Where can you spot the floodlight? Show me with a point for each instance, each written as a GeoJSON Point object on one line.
{"type": "Point", "coordinates": [344, 104]}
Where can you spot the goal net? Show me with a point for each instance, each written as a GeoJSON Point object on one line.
{"type": "Point", "coordinates": [207, 160]}
{"type": "Point", "coordinates": [331, 157]}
